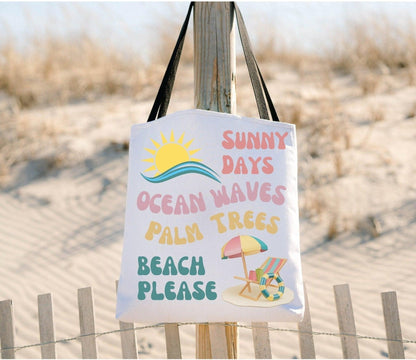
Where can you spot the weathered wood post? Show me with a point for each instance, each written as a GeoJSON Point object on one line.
{"type": "Point", "coordinates": [214, 81]}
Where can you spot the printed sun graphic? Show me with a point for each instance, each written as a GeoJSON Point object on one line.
{"type": "Point", "coordinates": [170, 153]}
{"type": "Point", "coordinates": [174, 157]}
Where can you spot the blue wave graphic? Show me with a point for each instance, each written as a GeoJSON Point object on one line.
{"type": "Point", "coordinates": [187, 167]}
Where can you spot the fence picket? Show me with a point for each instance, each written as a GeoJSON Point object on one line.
{"type": "Point", "coordinates": [346, 321]}
{"type": "Point", "coordinates": [306, 344]}
{"type": "Point", "coordinates": [231, 334]}
{"type": "Point", "coordinates": [203, 343]}
{"type": "Point", "coordinates": [7, 329]}
{"type": "Point", "coordinates": [87, 323]}
{"type": "Point", "coordinates": [218, 340]}
{"type": "Point", "coordinates": [211, 339]}
{"type": "Point", "coordinates": [46, 326]}
{"type": "Point", "coordinates": [261, 340]}
{"type": "Point", "coordinates": [173, 344]}
{"type": "Point", "coordinates": [392, 324]}
{"type": "Point", "coordinates": [127, 338]}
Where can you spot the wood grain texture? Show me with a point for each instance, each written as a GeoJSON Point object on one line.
{"type": "Point", "coordinates": [87, 323]}
{"type": "Point", "coordinates": [203, 343]}
{"type": "Point", "coordinates": [214, 59]}
{"type": "Point", "coordinates": [7, 329]}
{"type": "Point", "coordinates": [214, 89]}
{"type": "Point", "coordinates": [218, 341]}
{"type": "Point", "coordinates": [261, 340]}
{"type": "Point", "coordinates": [128, 340]}
{"type": "Point", "coordinates": [231, 335]}
{"type": "Point", "coordinates": [306, 343]}
{"type": "Point", "coordinates": [46, 327]}
{"type": "Point", "coordinates": [392, 324]}
{"type": "Point", "coordinates": [346, 321]}
{"type": "Point", "coordinates": [173, 343]}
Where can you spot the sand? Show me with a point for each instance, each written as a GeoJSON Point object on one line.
{"type": "Point", "coordinates": [61, 223]}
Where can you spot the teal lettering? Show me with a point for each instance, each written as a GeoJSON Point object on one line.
{"type": "Point", "coordinates": [155, 295]}
{"type": "Point", "coordinates": [156, 269]}
{"type": "Point", "coordinates": [197, 264]}
{"type": "Point", "coordinates": [198, 294]}
{"type": "Point", "coordinates": [144, 287]}
{"type": "Point", "coordinates": [211, 294]}
{"type": "Point", "coordinates": [170, 268]}
{"type": "Point", "coordinates": [170, 295]}
{"type": "Point", "coordinates": [143, 269]}
{"type": "Point", "coordinates": [184, 292]}
{"type": "Point", "coordinates": [183, 270]}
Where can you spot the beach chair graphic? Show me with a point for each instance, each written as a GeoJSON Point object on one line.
{"type": "Point", "coordinates": [263, 277]}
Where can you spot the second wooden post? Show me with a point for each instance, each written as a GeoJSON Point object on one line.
{"type": "Point", "coordinates": [214, 81]}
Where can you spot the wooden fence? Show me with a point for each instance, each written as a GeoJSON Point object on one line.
{"type": "Point", "coordinates": [217, 331]}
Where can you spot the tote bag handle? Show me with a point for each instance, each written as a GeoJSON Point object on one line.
{"type": "Point", "coordinates": [161, 103]}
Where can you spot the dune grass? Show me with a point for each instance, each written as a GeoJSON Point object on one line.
{"type": "Point", "coordinates": [54, 69]}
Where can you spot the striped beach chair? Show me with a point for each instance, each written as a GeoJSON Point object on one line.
{"type": "Point", "coordinates": [263, 277]}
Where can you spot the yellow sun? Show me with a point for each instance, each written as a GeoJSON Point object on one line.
{"type": "Point", "coordinates": [169, 153]}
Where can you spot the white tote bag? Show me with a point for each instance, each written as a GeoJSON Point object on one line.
{"type": "Point", "coordinates": [212, 223]}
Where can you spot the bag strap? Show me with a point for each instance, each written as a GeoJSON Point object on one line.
{"type": "Point", "coordinates": [259, 86]}
{"type": "Point", "coordinates": [161, 103]}
{"type": "Point", "coordinates": [254, 71]}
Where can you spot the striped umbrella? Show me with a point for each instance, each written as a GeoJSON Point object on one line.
{"type": "Point", "coordinates": [242, 245]}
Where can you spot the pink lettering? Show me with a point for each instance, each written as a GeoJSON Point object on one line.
{"type": "Point", "coordinates": [237, 194]}
{"type": "Point", "coordinates": [228, 164]}
{"type": "Point", "coordinates": [240, 166]}
{"type": "Point", "coordinates": [254, 169]}
{"type": "Point", "coordinates": [282, 144]}
{"type": "Point", "coordinates": [166, 201]}
{"type": "Point", "coordinates": [267, 168]}
{"type": "Point", "coordinates": [253, 140]}
{"type": "Point", "coordinates": [220, 198]}
{"type": "Point", "coordinates": [252, 192]}
{"type": "Point", "coordinates": [279, 199]}
{"type": "Point", "coordinates": [240, 141]}
{"type": "Point", "coordinates": [181, 206]}
{"type": "Point", "coordinates": [143, 200]}
{"type": "Point", "coordinates": [154, 208]}
{"type": "Point", "coordinates": [228, 143]}
{"type": "Point", "coordinates": [264, 192]}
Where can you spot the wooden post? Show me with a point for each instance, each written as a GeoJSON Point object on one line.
{"type": "Point", "coordinates": [392, 323]}
{"type": "Point", "coordinates": [7, 329]}
{"type": "Point", "coordinates": [346, 322]}
{"type": "Point", "coordinates": [214, 57]}
{"type": "Point", "coordinates": [46, 327]}
{"type": "Point", "coordinates": [214, 81]}
{"type": "Point", "coordinates": [306, 344]}
{"type": "Point", "coordinates": [261, 340]}
{"type": "Point", "coordinates": [87, 323]}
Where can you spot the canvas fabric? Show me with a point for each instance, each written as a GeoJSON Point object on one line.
{"type": "Point", "coordinates": [211, 198]}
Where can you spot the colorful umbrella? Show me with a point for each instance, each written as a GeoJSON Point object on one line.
{"type": "Point", "coordinates": [240, 246]}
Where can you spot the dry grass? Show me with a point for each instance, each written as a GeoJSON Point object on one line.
{"type": "Point", "coordinates": [59, 70]}
{"type": "Point", "coordinates": [412, 112]}
{"type": "Point", "coordinates": [376, 114]}
{"type": "Point", "coordinates": [367, 81]}
{"type": "Point", "coordinates": [55, 69]}
{"type": "Point", "coordinates": [376, 42]}
{"type": "Point", "coordinates": [272, 46]}
{"type": "Point", "coordinates": [165, 38]}
{"type": "Point", "coordinates": [292, 113]}
{"type": "Point", "coordinates": [333, 228]}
